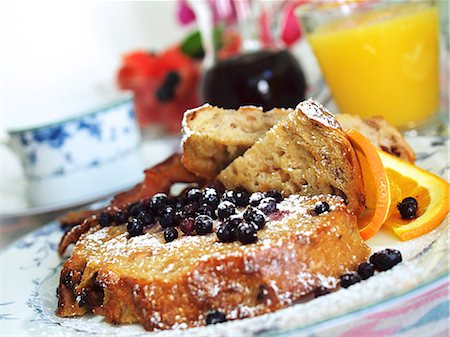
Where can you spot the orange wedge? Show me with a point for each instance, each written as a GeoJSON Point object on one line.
{"type": "Point", "coordinates": [430, 191]}
{"type": "Point", "coordinates": [376, 185]}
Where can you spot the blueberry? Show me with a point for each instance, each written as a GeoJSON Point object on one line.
{"type": "Point", "coordinates": [229, 196]}
{"type": "Point", "coordinates": [194, 194]}
{"type": "Point", "coordinates": [225, 209]}
{"type": "Point", "coordinates": [233, 221]}
{"type": "Point", "coordinates": [170, 234]}
{"type": "Point", "coordinates": [177, 203]}
{"type": "Point", "coordinates": [366, 270]}
{"type": "Point", "coordinates": [320, 291]}
{"type": "Point", "coordinates": [189, 209]}
{"type": "Point", "coordinates": [246, 233]}
{"type": "Point", "coordinates": [187, 226]}
{"type": "Point", "coordinates": [203, 224]}
{"type": "Point", "coordinates": [206, 210]}
{"type": "Point", "coordinates": [321, 207]}
{"type": "Point", "coordinates": [167, 217]}
{"type": "Point", "coordinates": [255, 216]}
{"type": "Point", "coordinates": [135, 227]}
{"type": "Point", "coordinates": [349, 279]}
{"type": "Point", "coordinates": [268, 205]}
{"type": "Point", "coordinates": [256, 198]}
{"type": "Point", "coordinates": [408, 208]}
{"type": "Point", "coordinates": [146, 217]}
{"type": "Point", "coordinates": [121, 217]}
{"type": "Point", "coordinates": [158, 202]}
{"type": "Point", "coordinates": [410, 200]}
{"type": "Point", "coordinates": [105, 219]}
{"type": "Point", "coordinates": [135, 208]}
{"type": "Point", "coordinates": [215, 316]}
{"type": "Point", "coordinates": [274, 194]}
{"type": "Point", "coordinates": [386, 259]}
{"type": "Point", "coordinates": [241, 196]}
{"type": "Point", "coordinates": [226, 232]}
{"type": "Point", "coordinates": [210, 197]}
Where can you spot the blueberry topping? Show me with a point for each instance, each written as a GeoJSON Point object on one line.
{"type": "Point", "coordinates": [187, 226]}
{"type": "Point", "coordinates": [135, 208]}
{"type": "Point", "coordinates": [206, 210]}
{"type": "Point", "coordinates": [167, 217]}
{"type": "Point", "coordinates": [241, 196]}
{"type": "Point", "coordinates": [321, 207]}
{"type": "Point", "coordinates": [146, 217]}
{"type": "Point", "coordinates": [194, 194]}
{"type": "Point", "coordinates": [226, 232]}
{"type": "Point", "coordinates": [67, 280]}
{"type": "Point", "coordinates": [349, 279]}
{"type": "Point", "coordinates": [189, 209]}
{"type": "Point", "coordinates": [408, 208]}
{"type": "Point", "coordinates": [170, 234]}
{"type": "Point", "coordinates": [135, 227]}
{"type": "Point", "coordinates": [255, 216]}
{"type": "Point", "coordinates": [158, 202]}
{"type": "Point", "coordinates": [274, 194]}
{"type": "Point", "coordinates": [233, 221]}
{"type": "Point", "coordinates": [386, 259]}
{"type": "Point", "coordinates": [120, 217]}
{"type": "Point", "coordinates": [256, 198]}
{"type": "Point", "coordinates": [210, 197]}
{"type": "Point", "coordinates": [225, 209]}
{"type": "Point", "coordinates": [246, 233]}
{"type": "Point", "coordinates": [215, 316]}
{"type": "Point", "coordinates": [268, 205]}
{"type": "Point", "coordinates": [320, 291]}
{"type": "Point", "coordinates": [105, 219]}
{"type": "Point", "coordinates": [366, 270]}
{"type": "Point", "coordinates": [229, 196]}
{"type": "Point", "coordinates": [203, 224]}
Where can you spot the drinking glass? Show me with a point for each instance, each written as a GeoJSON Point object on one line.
{"type": "Point", "coordinates": [379, 58]}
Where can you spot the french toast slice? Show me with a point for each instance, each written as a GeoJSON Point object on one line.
{"type": "Point", "coordinates": [173, 285]}
{"type": "Point", "coordinates": [381, 134]}
{"type": "Point", "coordinates": [214, 137]}
{"type": "Point", "coordinates": [307, 154]}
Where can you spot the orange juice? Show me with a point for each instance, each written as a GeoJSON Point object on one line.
{"type": "Point", "coordinates": [383, 62]}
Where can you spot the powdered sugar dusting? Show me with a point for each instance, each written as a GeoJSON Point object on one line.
{"type": "Point", "coordinates": [316, 111]}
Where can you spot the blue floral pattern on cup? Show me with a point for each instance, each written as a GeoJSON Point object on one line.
{"type": "Point", "coordinates": [79, 143]}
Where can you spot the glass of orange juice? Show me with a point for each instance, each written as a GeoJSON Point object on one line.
{"type": "Point", "coordinates": [379, 58]}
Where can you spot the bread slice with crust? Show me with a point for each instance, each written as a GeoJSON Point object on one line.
{"type": "Point", "coordinates": [174, 285]}
{"type": "Point", "coordinates": [381, 134]}
{"type": "Point", "coordinates": [307, 154]}
{"type": "Point", "coordinates": [214, 137]}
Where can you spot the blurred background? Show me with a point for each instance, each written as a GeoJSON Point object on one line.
{"type": "Point", "coordinates": [61, 58]}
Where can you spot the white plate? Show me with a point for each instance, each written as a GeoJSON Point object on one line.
{"type": "Point", "coordinates": [14, 202]}
{"type": "Point", "coordinates": [30, 270]}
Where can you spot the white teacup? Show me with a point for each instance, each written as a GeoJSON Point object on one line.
{"type": "Point", "coordinates": [82, 157]}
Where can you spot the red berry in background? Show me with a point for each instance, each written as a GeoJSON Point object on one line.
{"type": "Point", "coordinates": [164, 86]}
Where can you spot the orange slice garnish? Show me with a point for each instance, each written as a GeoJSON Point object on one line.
{"type": "Point", "coordinates": [430, 191]}
{"type": "Point", "coordinates": [376, 185]}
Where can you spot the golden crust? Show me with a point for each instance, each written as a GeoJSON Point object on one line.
{"type": "Point", "coordinates": [170, 285]}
